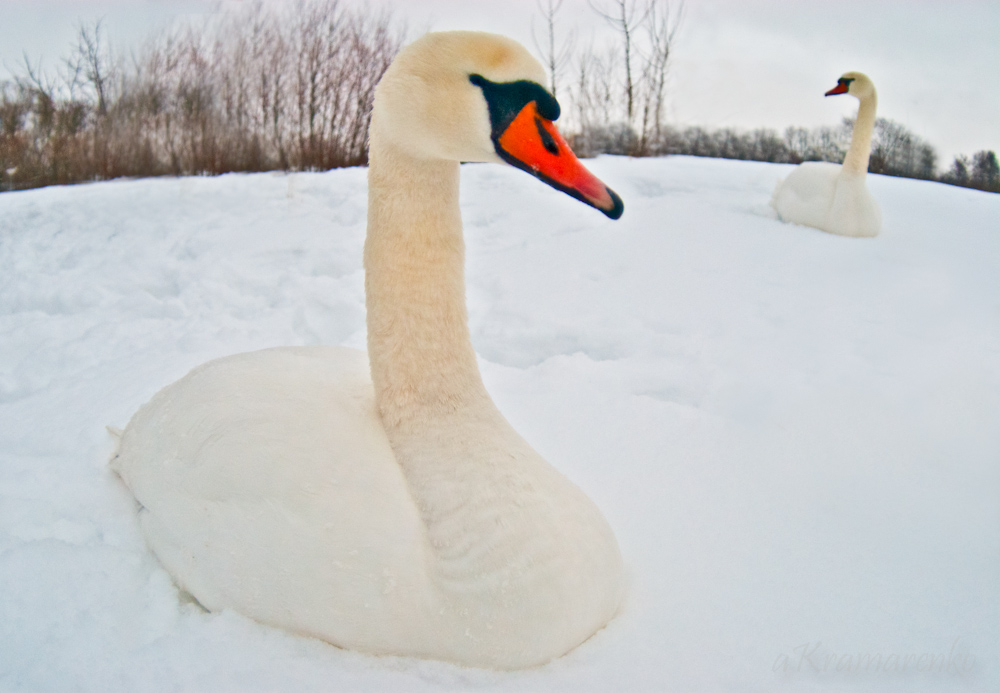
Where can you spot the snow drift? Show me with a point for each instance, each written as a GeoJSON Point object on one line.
{"type": "Point", "coordinates": [794, 435]}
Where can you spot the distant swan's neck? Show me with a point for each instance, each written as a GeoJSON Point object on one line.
{"type": "Point", "coordinates": [422, 360]}
{"type": "Point", "coordinates": [856, 161]}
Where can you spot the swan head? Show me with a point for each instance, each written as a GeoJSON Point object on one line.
{"type": "Point", "coordinates": [857, 84]}
{"type": "Point", "coordinates": [473, 96]}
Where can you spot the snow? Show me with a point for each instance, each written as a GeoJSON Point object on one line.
{"type": "Point", "coordinates": [794, 435]}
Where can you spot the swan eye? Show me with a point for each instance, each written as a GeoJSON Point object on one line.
{"type": "Point", "coordinates": [548, 141]}
{"type": "Point", "coordinates": [506, 99]}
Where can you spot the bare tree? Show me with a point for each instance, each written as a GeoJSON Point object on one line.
{"type": "Point", "coordinates": [985, 171]}
{"type": "Point", "coordinates": [597, 102]}
{"type": "Point", "coordinates": [898, 152]}
{"type": "Point", "coordinates": [554, 58]}
{"type": "Point", "coordinates": [91, 65]}
{"type": "Point", "coordinates": [958, 174]}
{"type": "Point", "coordinates": [661, 29]}
{"type": "Point", "coordinates": [981, 171]}
{"type": "Point", "coordinates": [646, 32]}
{"type": "Point", "coordinates": [624, 16]}
{"type": "Point", "coordinates": [258, 87]}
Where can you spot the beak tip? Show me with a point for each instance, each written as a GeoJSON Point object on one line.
{"type": "Point", "coordinates": [617, 206]}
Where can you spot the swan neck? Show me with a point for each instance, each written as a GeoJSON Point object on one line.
{"type": "Point", "coordinates": [856, 160]}
{"type": "Point", "coordinates": [504, 530]}
{"type": "Point", "coordinates": [421, 355]}
{"type": "Point", "coordinates": [455, 449]}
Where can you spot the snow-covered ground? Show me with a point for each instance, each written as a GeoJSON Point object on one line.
{"type": "Point", "coordinates": [795, 436]}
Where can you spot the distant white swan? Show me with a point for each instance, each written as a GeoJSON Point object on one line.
{"type": "Point", "coordinates": [831, 197]}
{"type": "Point", "coordinates": [392, 511]}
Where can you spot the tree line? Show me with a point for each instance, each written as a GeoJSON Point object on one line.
{"type": "Point", "coordinates": [274, 87]}
{"type": "Point", "coordinates": [618, 96]}
{"type": "Point", "coordinates": [895, 150]}
{"type": "Point", "coordinates": [290, 87]}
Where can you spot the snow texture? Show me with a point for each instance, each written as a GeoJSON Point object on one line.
{"type": "Point", "coordinates": [794, 435]}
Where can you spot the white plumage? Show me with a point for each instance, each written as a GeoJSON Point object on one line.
{"type": "Point", "coordinates": [832, 197]}
{"type": "Point", "coordinates": [390, 507]}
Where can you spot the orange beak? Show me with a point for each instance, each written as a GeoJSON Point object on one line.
{"type": "Point", "coordinates": [533, 144]}
{"type": "Point", "coordinates": [841, 88]}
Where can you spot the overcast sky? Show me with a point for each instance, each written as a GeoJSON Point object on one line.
{"type": "Point", "coordinates": [741, 63]}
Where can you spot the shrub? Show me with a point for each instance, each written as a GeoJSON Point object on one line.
{"type": "Point", "coordinates": [266, 88]}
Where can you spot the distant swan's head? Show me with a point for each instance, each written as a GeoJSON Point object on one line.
{"type": "Point", "coordinates": [857, 84]}
{"type": "Point", "coordinates": [471, 96]}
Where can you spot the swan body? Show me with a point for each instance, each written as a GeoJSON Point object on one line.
{"type": "Point", "coordinates": [831, 197]}
{"type": "Point", "coordinates": [380, 501]}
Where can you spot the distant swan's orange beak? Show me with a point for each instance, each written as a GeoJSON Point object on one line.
{"type": "Point", "coordinates": [841, 88]}
{"type": "Point", "coordinates": [533, 144]}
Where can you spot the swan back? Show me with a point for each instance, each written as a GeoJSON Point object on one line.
{"type": "Point", "coordinates": [388, 506]}
{"type": "Point", "coordinates": [835, 198]}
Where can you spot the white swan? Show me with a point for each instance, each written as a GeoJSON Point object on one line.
{"type": "Point", "coordinates": [831, 197]}
{"type": "Point", "coordinates": [407, 518]}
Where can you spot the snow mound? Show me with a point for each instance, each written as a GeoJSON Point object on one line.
{"type": "Point", "coordinates": [794, 435]}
